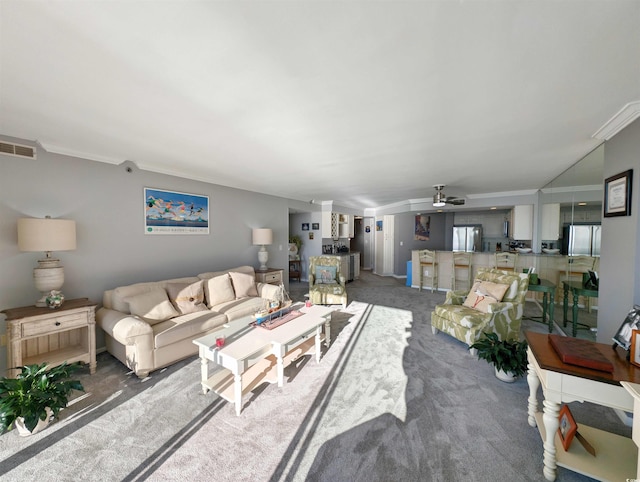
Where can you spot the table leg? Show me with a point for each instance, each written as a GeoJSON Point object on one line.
{"type": "Point", "coordinates": [551, 312]}
{"type": "Point", "coordinates": [564, 306]}
{"type": "Point", "coordinates": [237, 388]}
{"type": "Point", "coordinates": [204, 370]}
{"type": "Point", "coordinates": [534, 384]}
{"type": "Point", "coordinates": [575, 313]}
{"type": "Point", "coordinates": [551, 424]}
{"type": "Point", "coordinates": [327, 332]}
{"type": "Point", "coordinates": [544, 307]}
{"type": "Point", "coordinates": [280, 365]}
{"type": "Point", "coordinates": [318, 334]}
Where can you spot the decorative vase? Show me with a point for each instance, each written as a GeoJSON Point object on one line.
{"type": "Point", "coordinates": [505, 376]}
{"type": "Point", "coordinates": [23, 431]}
{"type": "Point", "coordinates": [54, 299]}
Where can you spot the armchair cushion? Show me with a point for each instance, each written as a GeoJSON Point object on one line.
{"type": "Point", "coordinates": [484, 293]}
{"type": "Point", "coordinates": [326, 274]}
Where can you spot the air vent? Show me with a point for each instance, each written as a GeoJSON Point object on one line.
{"type": "Point", "coordinates": [17, 150]}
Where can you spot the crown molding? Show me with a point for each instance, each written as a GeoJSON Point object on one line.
{"type": "Point", "coordinates": [525, 192]}
{"type": "Point", "coordinates": [622, 119]}
{"type": "Point", "coordinates": [555, 190]}
{"type": "Point", "coordinates": [52, 148]}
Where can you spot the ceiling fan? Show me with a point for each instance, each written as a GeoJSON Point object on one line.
{"type": "Point", "coordinates": [440, 199]}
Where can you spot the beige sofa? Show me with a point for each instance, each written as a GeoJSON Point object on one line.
{"type": "Point", "coordinates": [152, 325]}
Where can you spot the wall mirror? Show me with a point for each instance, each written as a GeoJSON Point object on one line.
{"type": "Point", "coordinates": [576, 196]}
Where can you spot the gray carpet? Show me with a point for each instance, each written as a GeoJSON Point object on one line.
{"type": "Point", "coordinates": [389, 401]}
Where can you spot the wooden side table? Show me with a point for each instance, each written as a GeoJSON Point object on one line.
{"type": "Point", "coordinates": [272, 276]}
{"type": "Point", "coordinates": [294, 269]}
{"type": "Point", "coordinates": [44, 335]}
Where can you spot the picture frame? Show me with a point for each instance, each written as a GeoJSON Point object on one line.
{"type": "Point", "coordinates": [315, 226]}
{"type": "Point", "coordinates": [567, 428]}
{"type": "Point", "coordinates": [617, 194]}
{"type": "Point", "coordinates": [173, 212]}
{"type": "Point", "coordinates": [305, 226]}
{"type": "Point", "coordinates": [635, 348]}
{"type": "Point", "coordinates": [630, 323]}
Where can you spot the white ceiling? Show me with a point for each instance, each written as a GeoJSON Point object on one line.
{"type": "Point", "coordinates": [363, 103]}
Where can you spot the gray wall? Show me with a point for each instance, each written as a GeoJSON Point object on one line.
{"type": "Point", "coordinates": [620, 251]}
{"type": "Point", "coordinates": [107, 204]}
{"type": "Point", "coordinates": [405, 242]}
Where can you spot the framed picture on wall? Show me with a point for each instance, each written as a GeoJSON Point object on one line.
{"type": "Point", "coordinates": [315, 226]}
{"type": "Point", "coordinates": [171, 212]}
{"type": "Point", "coordinates": [617, 194]}
{"type": "Point", "coordinates": [305, 226]}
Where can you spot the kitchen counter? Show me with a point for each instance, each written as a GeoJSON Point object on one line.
{"type": "Point", "coordinates": [551, 267]}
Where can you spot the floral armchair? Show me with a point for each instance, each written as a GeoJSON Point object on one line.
{"type": "Point", "coordinates": [327, 285]}
{"type": "Point", "coordinates": [468, 324]}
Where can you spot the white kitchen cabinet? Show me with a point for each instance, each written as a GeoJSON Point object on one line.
{"type": "Point", "coordinates": [522, 222]}
{"type": "Point", "coordinates": [551, 221]}
{"type": "Point", "coordinates": [330, 225]}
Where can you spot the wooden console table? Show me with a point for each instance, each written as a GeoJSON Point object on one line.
{"type": "Point", "coordinates": [616, 456]}
{"type": "Point", "coordinates": [53, 336]}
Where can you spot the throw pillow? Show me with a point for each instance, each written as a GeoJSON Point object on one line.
{"type": "Point", "coordinates": [154, 306]}
{"type": "Point", "coordinates": [219, 290]}
{"type": "Point", "coordinates": [483, 293]}
{"type": "Point", "coordinates": [326, 274]}
{"type": "Point", "coordinates": [243, 284]}
{"type": "Point", "coordinates": [187, 297]}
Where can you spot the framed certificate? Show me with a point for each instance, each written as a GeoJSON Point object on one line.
{"type": "Point", "coordinates": [634, 355]}
{"type": "Point", "coordinates": [617, 194]}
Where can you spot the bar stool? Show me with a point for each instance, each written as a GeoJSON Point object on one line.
{"type": "Point", "coordinates": [461, 261]}
{"type": "Point", "coordinates": [428, 260]}
{"type": "Point", "coordinates": [506, 261]}
{"type": "Point", "coordinates": [575, 269]}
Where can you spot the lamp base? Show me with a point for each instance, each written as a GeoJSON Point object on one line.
{"type": "Point", "coordinates": [263, 257]}
{"type": "Point", "coordinates": [48, 276]}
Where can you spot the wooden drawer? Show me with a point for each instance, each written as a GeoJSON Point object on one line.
{"type": "Point", "coordinates": [62, 322]}
{"type": "Point", "coordinates": [272, 277]}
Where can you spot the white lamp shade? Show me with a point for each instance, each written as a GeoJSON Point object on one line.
{"type": "Point", "coordinates": [35, 234]}
{"type": "Point", "coordinates": [262, 236]}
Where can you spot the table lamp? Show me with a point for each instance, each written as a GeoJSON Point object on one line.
{"type": "Point", "coordinates": [262, 237]}
{"type": "Point", "coordinates": [36, 234]}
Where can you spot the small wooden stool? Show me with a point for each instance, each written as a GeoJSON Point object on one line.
{"type": "Point", "coordinates": [428, 259]}
{"type": "Point", "coordinates": [461, 261]}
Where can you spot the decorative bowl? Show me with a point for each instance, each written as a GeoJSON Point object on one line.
{"type": "Point", "coordinates": [523, 250]}
{"type": "Point", "coordinates": [550, 251]}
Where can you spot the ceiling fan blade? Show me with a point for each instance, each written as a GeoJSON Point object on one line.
{"type": "Point", "coordinates": [455, 201]}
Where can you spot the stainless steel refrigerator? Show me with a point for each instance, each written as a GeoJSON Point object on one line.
{"type": "Point", "coordinates": [581, 239]}
{"type": "Point", "coordinates": [467, 238]}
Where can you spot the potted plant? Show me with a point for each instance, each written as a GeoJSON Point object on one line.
{"type": "Point", "coordinates": [297, 241]}
{"type": "Point", "coordinates": [35, 396]}
{"type": "Point", "coordinates": [509, 357]}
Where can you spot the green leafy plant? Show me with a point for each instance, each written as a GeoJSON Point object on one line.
{"type": "Point", "coordinates": [33, 390]}
{"type": "Point", "coordinates": [297, 240]}
{"type": "Point", "coordinates": [510, 356]}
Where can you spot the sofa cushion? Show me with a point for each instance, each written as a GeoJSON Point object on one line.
{"type": "Point", "coordinates": [238, 308]}
{"type": "Point", "coordinates": [122, 292]}
{"type": "Point", "coordinates": [461, 315]}
{"type": "Point", "coordinates": [154, 306]}
{"type": "Point", "coordinates": [483, 293]}
{"type": "Point", "coordinates": [244, 285]}
{"type": "Point", "coordinates": [190, 326]}
{"type": "Point", "coordinates": [187, 297]}
{"type": "Point", "coordinates": [218, 290]}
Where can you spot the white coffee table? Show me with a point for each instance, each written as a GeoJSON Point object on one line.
{"type": "Point", "coordinates": [252, 356]}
